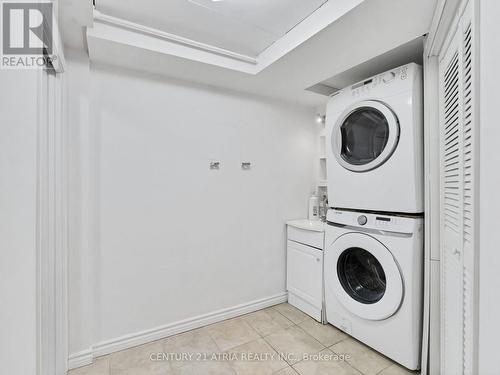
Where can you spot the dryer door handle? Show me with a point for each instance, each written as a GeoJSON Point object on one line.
{"type": "Point", "coordinates": [339, 140]}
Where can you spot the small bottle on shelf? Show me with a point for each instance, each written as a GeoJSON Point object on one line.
{"type": "Point", "coordinates": [313, 206]}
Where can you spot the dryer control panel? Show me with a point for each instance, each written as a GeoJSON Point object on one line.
{"type": "Point", "coordinates": [395, 77]}
{"type": "Point", "coordinates": [374, 221]}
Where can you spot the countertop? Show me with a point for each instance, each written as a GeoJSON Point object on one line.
{"type": "Point", "coordinates": [313, 225]}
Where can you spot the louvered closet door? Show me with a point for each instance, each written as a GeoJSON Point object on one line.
{"type": "Point", "coordinates": [457, 155]}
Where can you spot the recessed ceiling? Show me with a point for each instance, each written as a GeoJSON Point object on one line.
{"type": "Point", "coordinates": [246, 27]}
{"type": "Point", "coordinates": [339, 36]}
{"type": "Point", "coordinates": [329, 44]}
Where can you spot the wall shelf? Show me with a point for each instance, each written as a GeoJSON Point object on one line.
{"type": "Point", "coordinates": [322, 145]}
{"type": "Point", "coordinates": [322, 183]}
{"type": "Point", "coordinates": [322, 173]}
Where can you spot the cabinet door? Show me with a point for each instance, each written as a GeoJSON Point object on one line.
{"type": "Point", "coordinates": [304, 272]}
{"type": "Point", "coordinates": [458, 155]}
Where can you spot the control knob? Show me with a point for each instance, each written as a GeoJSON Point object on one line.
{"type": "Point", "coordinates": [362, 220]}
{"type": "Point", "coordinates": [388, 77]}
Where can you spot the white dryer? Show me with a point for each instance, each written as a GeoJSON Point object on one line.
{"type": "Point", "coordinates": [373, 269]}
{"type": "Point", "coordinates": [375, 147]}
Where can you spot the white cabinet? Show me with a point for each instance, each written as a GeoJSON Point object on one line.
{"type": "Point", "coordinates": [305, 271]}
{"type": "Point", "coordinates": [306, 236]}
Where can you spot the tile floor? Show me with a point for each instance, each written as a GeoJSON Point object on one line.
{"type": "Point", "coordinates": [249, 345]}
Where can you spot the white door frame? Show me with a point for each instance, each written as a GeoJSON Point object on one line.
{"type": "Point", "coordinates": [52, 214]}
{"type": "Point", "coordinates": [52, 226]}
{"type": "Point", "coordinates": [444, 19]}
{"type": "Point", "coordinates": [431, 348]}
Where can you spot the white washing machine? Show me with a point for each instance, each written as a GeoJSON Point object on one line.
{"type": "Point", "coordinates": [373, 269]}
{"type": "Point", "coordinates": [375, 144]}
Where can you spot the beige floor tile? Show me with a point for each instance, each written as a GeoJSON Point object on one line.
{"type": "Point", "coordinates": [396, 369]}
{"type": "Point", "coordinates": [286, 371]}
{"type": "Point", "coordinates": [267, 321]}
{"type": "Point", "coordinates": [99, 367]}
{"type": "Point", "coordinates": [326, 364]}
{"type": "Point", "coordinates": [256, 357]}
{"type": "Point", "coordinates": [203, 368]}
{"type": "Point", "coordinates": [254, 344]}
{"type": "Point", "coordinates": [366, 360]}
{"type": "Point", "coordinates": [324, 333]}
{"type": "Point", "coordinates": [137, 361]}
{"type": "Point", "coordinates": [194, 344]}
{"type": "Point", "coordinates": [294, 343]}
{"type": "Point", "coordinates": [291, 313]}
{"type": "Point", "coordinates": [232, 333]}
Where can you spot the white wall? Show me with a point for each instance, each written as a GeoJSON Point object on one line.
{"type": "Point", "coordinates": [18, 207]}
{"type": "Point", "coordinates": [174, 239]}
{"type": "Point", "coordinates": [489, 180]}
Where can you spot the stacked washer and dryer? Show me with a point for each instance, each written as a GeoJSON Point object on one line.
{"type": "Point", "coordinates": [374, 239]}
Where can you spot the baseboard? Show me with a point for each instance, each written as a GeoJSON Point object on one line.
{"type": "Point", "coordinates": [80, 359]}
{"type": "Point", "coordinates": [143, 337]}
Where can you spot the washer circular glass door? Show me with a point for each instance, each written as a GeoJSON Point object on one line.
{"type": "Point", "coordinates": [368, 281]}
{"type": "Point", "coordinates": [365, 136]}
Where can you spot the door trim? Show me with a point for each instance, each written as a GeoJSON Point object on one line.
{"type": "Point", "coordinates": [52, 226]}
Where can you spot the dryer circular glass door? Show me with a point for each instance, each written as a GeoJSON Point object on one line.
{"type": "Point", "coordinates": [367, 278]}
{"type": "Point", "coordinates": [365, 136]}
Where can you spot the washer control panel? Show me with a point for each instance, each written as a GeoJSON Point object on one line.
{"type": "Point", "coordinates": [384, 222]}
{"type": "Point", "coordinates": [375, 221]}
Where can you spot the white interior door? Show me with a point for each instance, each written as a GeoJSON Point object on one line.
{"type": "Point", "coordinates": [457, 196]}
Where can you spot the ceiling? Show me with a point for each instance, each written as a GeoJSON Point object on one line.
{"type": "Point", "coordinates": [247, 27]}
{"type": "Point", "coordinates": [220, 38]}
{"type": "Point", "coordinates": [338, 42]}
